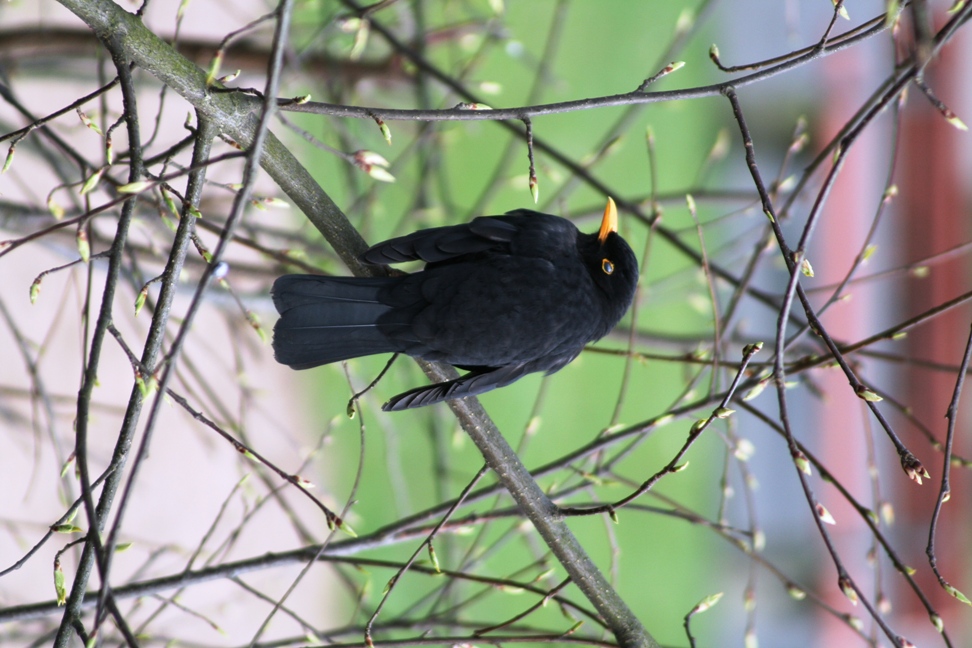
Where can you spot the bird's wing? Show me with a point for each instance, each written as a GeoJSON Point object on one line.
{"type": "Point", "coordinates": [444, 243]}
{"type": "Point", "coordinates": [471, 384]}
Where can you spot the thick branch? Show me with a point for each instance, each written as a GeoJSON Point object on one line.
{"type": "Point", "coordinates": [232, 114]}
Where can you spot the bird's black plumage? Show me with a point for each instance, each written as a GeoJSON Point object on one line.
{"type": "Point", "coordinates": [501, 297]}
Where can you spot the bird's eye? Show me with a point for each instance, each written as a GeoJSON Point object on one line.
{"type": "Point", "coordinates": [607, 266]}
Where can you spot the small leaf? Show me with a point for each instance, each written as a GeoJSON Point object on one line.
{"type": "Point", "coordinates": [254, 321]}
{"type": "Point", "coordinates": [891, 12]}
{"type": "Point", "coordinates": [344, 526]}
{"type": "Point", "coordinates": [145, 387]}
{"type": "Point", "coordinates": [490, 87]}
{"type": "Point", "coordinates": [140, 299]}
{"type": "Point", "coordinates": [65, 528]}
{"type": "Point", "coordinates": [690, 203]}
{"type": "Point", "coordinates": [720, 148]}
{"type": "Point", "coordinates": [848, 589]}
{"type": "Point", "coordinates": [366, 158]}
{"type": "Point", "coordinates": [802, 462]}
{"type": "Point", "coordinates": [674, 66]}
{"type": "Point", "coordinates": [887, 513]}
{"type": "Point", "coordinates": [8, 161]}
{"type": "Point", "coordinates": [385, 131]}
{"type": "Point", "coordinates": [756, 390]}
{"type": "Point", "coordinates": [434, 559]}
{"type": "Point", "coordinates": [214, 65]}
{"type": "Point", "coordinates": [59, 588]}
{"type": "Point", "coordinates": [35, 289]}
{"type": "Point", "coordinates": [360, 40]}
{"type": "Point", "coordinates": [915, 470]}
{"type": "Point", "coordinates": [744, 450]}
{"type": "Point", "coordinates": [759, 540]}
{"type": "Point", "coordinates": [883, 604]}
{"type": "Point", "coordinates": [534, 189]}
{"type": "Point", "coordinates": [685, 21]}
{"type": "Point", "coordinates": [953, 119]}
{"type": "Point", "coordinates": [750, 640]}
{"type": "Point", "coordinates": [349, 25]}
{"type": "Point", "coordinates": [471, 106]}
{"type": "Point", "coordinates": [752, 349]}
{"type": "Point", "coordinates": [706, 603]}
{"type": "Point", "coordinates": [170, 203]}
{"type": "Point", "coordinates": [824, 514]}
{"type": "Point", "coordinates": [723, 412]}
{"type": "Point", "coordinates": [937, 622]}
{"type": "Point", "coordinates": [533, 425]}
{"type": "Point", "coordinates": [229, 78]}
{"type": "Point", "coordinates": [957, 594]}
{"type": "Point", "coordinates": [135, 187]}
{"type": "Point", "coordinates": [380, 174]}
{"type": "Point", "coordinates": [66, 467]}
{"type": "Point", "coordinates": [664, 419]}
{"type": "Point", "coordinates": [795, 592]}
{"type": "Point", "coordinates": [872, 516]}
{"type": "Point", "coordinates": [87, 122]}
{"type": "Point", "coordinates": [92, 181]}
{"type": "Point", "coordinates": [55, 209]}
{"type": "Point", "coordinates": [169, 223]}
{"type": "Point", "coordinates": [800, 142]}
{"type": "Point", "coordinates": [867, 394]}
{"type": "Point", "coordinates": [806, 268]}
{"type": "Point", "coordinates": [84, 248]}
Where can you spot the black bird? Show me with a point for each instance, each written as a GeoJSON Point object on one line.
{"type": "Point", "coordinates": [500, 297]}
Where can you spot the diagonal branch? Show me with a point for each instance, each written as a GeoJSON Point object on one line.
{"type": "Point", "coordinates": [232, 114]}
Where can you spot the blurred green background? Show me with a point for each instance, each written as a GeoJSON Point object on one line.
{"type": "Point", "coordinates": [414, 459]}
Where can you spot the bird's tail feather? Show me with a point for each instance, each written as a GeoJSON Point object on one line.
{"type": "Point", "coordinates": [327, 319]}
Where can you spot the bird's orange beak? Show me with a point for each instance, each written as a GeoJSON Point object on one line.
{"type": "Point", "coordinates": [609, 223]}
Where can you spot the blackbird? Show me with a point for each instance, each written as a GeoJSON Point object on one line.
{"type": "Point", "coordinates": [500, 297]}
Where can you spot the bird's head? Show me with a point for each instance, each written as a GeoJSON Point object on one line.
{"type": "Point", "coordinates": [612, 264]}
